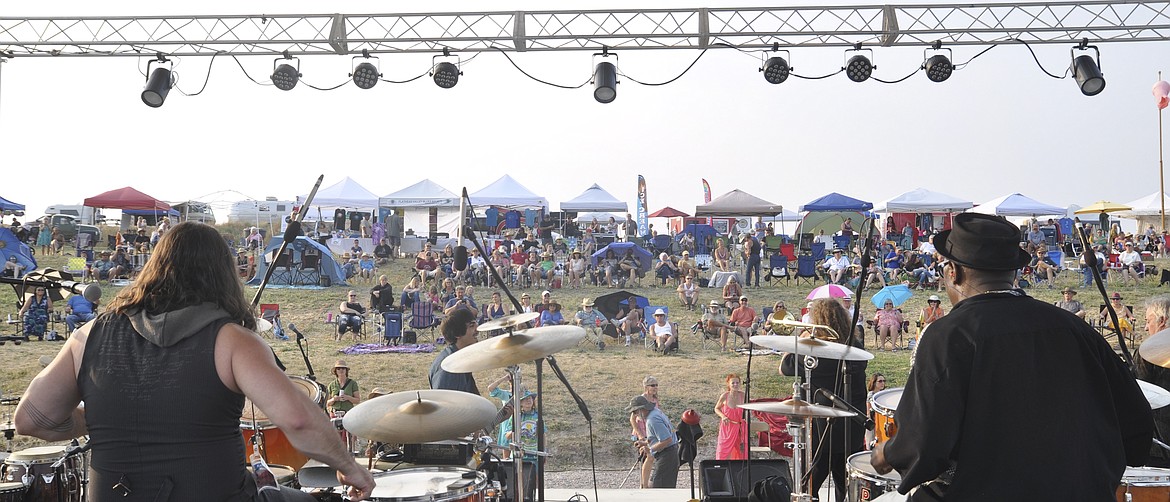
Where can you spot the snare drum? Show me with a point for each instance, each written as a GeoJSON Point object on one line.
{"type": "Point", "coordinates": [1144, 484]}
{"type": "Point", "coordinates": [864, 482]}
{"type": "Point", "coordinates": [33, 468]}
{"type": "Point", "coordinates": [12, 492]}
{"type": "Point", "coordinates": [884, 403]}
{"type": "Point", "coordinates": [430, 484]}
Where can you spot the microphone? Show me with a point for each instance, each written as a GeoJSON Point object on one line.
{"type": "Point", "coordinates": [72, 451]}
{"type": "Point", "coordinates": [293, 328]}
{"type": "Point", "coordinates": [292, 231]}
{"type": "Point", "coordinates": [841, 404]}
{"type": "Point", "coordinates": [460, 249]}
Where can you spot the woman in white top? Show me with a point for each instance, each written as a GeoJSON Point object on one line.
{"type": "Point", "coordinates": [577, 265]}
{"type": "Point", "coordinates": [687, 293]}
{"type": "Point", "coordinates": [662, 332]}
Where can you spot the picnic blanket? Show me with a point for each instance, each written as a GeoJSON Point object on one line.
{"type": "Point", "coordinates": [377, 348]}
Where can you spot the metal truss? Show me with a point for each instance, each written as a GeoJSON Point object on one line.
{"type": "Point", "coordinates": [746, 28]}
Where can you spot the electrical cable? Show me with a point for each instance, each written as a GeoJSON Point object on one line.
{"type": "Point", "coordinates": [684, 72]}
{"type": "Point", "coordinates": [838, 72]}
{"type": "Point", "coordinates": [206, 78]}
{"type": "Point", "coordinates": [916, 70]}
{"type": "Point", "coordinates": [1037, 59]}
{"type": "Point", "coordinates": [526, 74]}
{"type": "Point", "coordinates": [338, 86]}
{"type": "Point", "coordinates": [965, 63]}
{"type": "Point", "coordinates": [246, 74]}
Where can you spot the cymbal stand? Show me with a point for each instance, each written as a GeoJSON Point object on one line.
{"type": "Point", "coordinates": [801, 435]}
{"type": "Point", "coordinates": [518, 449]}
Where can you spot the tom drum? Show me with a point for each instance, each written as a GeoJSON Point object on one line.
{"type": "Point", "coordinates": [884, 403]}
{"type": "Point", "coordinates": [864, 483]}
{"type": "Point", "coordinates": [275, 444]}
{"type": "Point", "coordinates": [1144, 484]}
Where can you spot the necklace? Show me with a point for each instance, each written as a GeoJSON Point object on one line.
{"type": "Point", "coordinates": [1013, 292]}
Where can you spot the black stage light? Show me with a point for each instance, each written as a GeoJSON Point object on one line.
{"type": "Point", "coordinates": [285, 76]}
{"type": "Point", "coordinates": [858, 69]}
{"type": "Point", "coordinates": [365, 75]}
{"type": "Point", "coordinates": [446, 75]}
{"type": "Point", "coordinates": [1087, 70]}
{"type": "Point", "coordinates": [157, 87]}
{"type": "Point", "coordinates": [605, 82]}
{"type": "Point", "coordinates": [939, 68]}
{"type": "Point", "coordinates": [776, 70]}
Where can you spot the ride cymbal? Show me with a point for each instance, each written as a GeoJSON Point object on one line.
{"type": "Point", "coordinates": [811, 347]}
{"type": "Point", "coordinates": [420, 416]}
{"type": "Point", "coordinates": [1156, 349]}
{"type": "Point", "coordinates": [797, 408]}
{"type": "Point", "coordinates": [509, 321]}
{"type": "Point", "coordinates": [508, 350]}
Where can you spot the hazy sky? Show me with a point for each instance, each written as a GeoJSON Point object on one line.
{"type": "Point", "coordinates": [75, 127]}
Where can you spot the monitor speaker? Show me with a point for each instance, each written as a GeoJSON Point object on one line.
{"type": "Point", "coordinates": [729, 480]}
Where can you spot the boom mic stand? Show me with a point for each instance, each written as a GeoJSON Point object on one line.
{"type": "Point", "coordinates": [1091, 261]}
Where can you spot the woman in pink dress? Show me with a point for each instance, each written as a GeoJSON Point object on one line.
{"type": "Point", "coordinates": [733, 428]}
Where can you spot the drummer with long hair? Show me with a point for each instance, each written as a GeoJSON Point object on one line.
{"type": "Point", "coordinates": [163, 373]}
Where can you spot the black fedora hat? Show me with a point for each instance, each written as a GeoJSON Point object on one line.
{"type": "Point", "coordinates": [982, 241]}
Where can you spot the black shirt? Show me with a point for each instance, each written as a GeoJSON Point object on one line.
{"type": "Point", "coordinates": [382, 251]}
{"type": "Point", "coordinates": [384, 301]}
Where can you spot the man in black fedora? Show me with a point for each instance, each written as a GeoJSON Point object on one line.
{"type": "Point", "coordinates": [988, 406]}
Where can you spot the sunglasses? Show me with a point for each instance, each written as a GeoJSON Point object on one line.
{"type": "Point", "coordinates": [651, 385]}
{"type": "Point", "coordinates": [881, 381]}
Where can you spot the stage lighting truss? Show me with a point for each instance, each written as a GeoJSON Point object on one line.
{"type": "Point", "coordinates": [605, 77]}
{"type": "Point", "coordinates": [365, 74]}
{"type": "Point", "coordinates": [776, 68]}
{"type": "Point", "coordinates": [938, 66]}
{"type": "Point", "coordinates": [858, 67]}
{"type": "Point", "coordinates": [158, 81]}
{"type": "Point", "coordinates": [285, 75]}
{"type": "Point", "coordinates": [446, 74]}
{"type": "Point", "coordinates": [1087, 70]}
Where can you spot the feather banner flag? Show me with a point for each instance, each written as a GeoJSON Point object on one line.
{"type": "Point", "coordinates": [706, 192]}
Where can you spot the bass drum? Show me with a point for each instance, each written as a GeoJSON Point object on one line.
{"type": "Point", "coordinates": [864, 483]}
{"type": "Point", "coordinates": [430, 484]}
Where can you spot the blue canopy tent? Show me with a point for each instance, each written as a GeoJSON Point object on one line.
{"type": "Point", "coordinates": [619, 248]}
{"type": "Point", "coordinates": [7, 205]}
{"type": "Point", "coordinates": [704, 236]}
{"type": "Point", "coordinates": [10, 246]}
{"type": "Point", "coordinates": [830, 211]}
{"type": "Point", "coordinates": [837, 202]}
{"type": "Point", "coordinates": [327, 268]}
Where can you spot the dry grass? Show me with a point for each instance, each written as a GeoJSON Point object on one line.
{"type": "Point", "coordinates": [605, 380]}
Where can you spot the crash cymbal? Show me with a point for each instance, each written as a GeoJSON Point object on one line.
{"type": "Point", "coordinates": [420, 416]}
{"type": "Point", "coordinates": [509, 321]}
{"type": "Point", "coordinates": [811, 347]}
{"type": "Point", "coordinates": [797, 408]}
{"type": "Point", "coordinates": [1156, 349]}
{"type": "Point", "coordinates": [1157, 396]}
{"type": "Point", "coordinates": [315, 474]}
{"type": "Point", "coordinates": [262, 325]}
{"type": "Point", "coordinates": [518, 347]}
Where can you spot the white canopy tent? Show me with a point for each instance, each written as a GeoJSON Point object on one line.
{"type": "Point", "coordinates": [1147, 210]}
{"type": "Point", "coordinates": [921, 200]}
{"type": "Point", "coordinates": [509, 193]}
{"type": "Point", "coordinates": [594, 199]}
{"type": "Point", "coordinates": [1018, 205]}
{"type": "Point", "coordinates": [600, 217]}
{"type": "Point", "coordinates": [346, 193]}
{"type": "Point", "coordinates": [416, 203]}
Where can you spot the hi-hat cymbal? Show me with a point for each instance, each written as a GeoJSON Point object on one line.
{"type": "Point", "coordinates": [262, 325]}
{"type": "Point", "coordinates": [518, 347]}
{"type": "Point", "coordinates": [796, 407]}
{"type": "Point", "coordinates": [509, 321]}
{"type": "Point", "coordinates": [811, 347]}
{"type": "Point", "coordinates": [420, 416]}
{"type": "Point", "coordinates": [1157, 396]}
{"type": "Point", "coordinates": [1156, 349]}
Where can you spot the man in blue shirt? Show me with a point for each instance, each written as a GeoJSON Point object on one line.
{"type": "Point", "coordinates": [79, 310]}
{"type": "Point", "coordinates": [459, 329]}
{"type": "Point", "coordinates": [660, 443]}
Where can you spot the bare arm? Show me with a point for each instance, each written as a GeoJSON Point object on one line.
{"type": "Point", "coordinates": [48, 409]}
{"type": "Point", "coordinates": [719, 405]}
{"type": "Point", "coordinates": [246, 364]}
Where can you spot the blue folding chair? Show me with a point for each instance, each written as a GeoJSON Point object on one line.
{"type": "Point", "coordinates": [806, 268]}
{"type": "Point", "coordinates": [778, 269]}
{"type": "Point", "coordinates": [818, 251]}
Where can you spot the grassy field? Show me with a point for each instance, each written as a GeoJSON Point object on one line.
{"type": "Point", "coordinates": [606, 380]}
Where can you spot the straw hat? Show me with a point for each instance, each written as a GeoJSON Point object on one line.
{"type": "Point", "coordinates": [340, 364]}
{"type": "Point", "coordinates": [587, 302]}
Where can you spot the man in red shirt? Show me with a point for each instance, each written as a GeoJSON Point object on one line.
{"type": "Point", "coordinates": [742, 319]}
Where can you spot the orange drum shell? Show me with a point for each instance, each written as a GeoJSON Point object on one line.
{"type": "Point", "coordinates": [277, 448]}
{"type": "Point", "coordinates": [1145, 484]}
{"type": "Point", "coordinates": [884, 404]}
{"type": "Point", "coordinates": [313, 390]}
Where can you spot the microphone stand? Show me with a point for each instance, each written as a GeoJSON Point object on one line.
{"type": "Point", "coordinates": [290, 235]}
{"type": "Point", "coordinates": [1091, 262]}
{"type": "Point", "coordinates": [304, 354]}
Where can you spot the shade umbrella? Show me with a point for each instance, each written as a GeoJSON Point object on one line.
{"type": "Point", "coordinates": [897, 293]}
{"type": "Point", "coordinates": [667, 212]}
{"type": "Point", "coordinates": [45, 274]}
{"type": "Point", "coordinates": [830, 291]}
{"type": "Point", "coordinates": [609, 305]}
{"type": "Point", "coordinates": [1103, 206]}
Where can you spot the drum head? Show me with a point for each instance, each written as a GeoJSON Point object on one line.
{"type": "Point", "coordinates": [886, 401]}
{"type": "Point", "coordinates": [37, 455]}
{"type": "Point", "coordinates": [13, 487]}
{"type": "Point", "coordinates": [859, 466]}
{"type": "Point", "coordinates": [306, 386]}
{"type": "Point", "coordinates": [1146, 475]}
{"type": "Point", "coordinates": [426, 483]}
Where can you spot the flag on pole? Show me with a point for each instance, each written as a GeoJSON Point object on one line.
{"type": "Point", "coordinates": [1162, 94]}
{"type": "Point", "coordinates": [706, 192]}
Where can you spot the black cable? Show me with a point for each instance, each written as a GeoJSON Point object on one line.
{"type": "Point", "coordinates": [526, 74]}
{"type": "Point", "coordinates": [206, 78]}
{"type": "Point", "coordinates": [965, 63]}
{"type": "Point", "coordinates": [1050, 74]}
{"type": "Point", "coordinates": [838, 72]}
{"type": "Point", "coordinates": [684, 72]}
{"type": "Point", "coordinates": [246, 74]}
{"type": "Point", "coordinates": [409, 80]}
{"type": "Point", "coordinates": [916, 70]}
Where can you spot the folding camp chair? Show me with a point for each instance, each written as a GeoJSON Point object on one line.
{"type": "Point", "coordinates": [806, 268]}
{"type": "Point", "coordinates": [778, 269]}
{"type": "Point", "coordinates": [842, 241]}
{"type": "Point", "coordinates": [422, 317]}
{"type": "Point", "coordinates": [271, 312]}
{"type": "Point", "coordinates": [818, 251]}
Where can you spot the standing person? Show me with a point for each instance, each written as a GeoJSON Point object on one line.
{"type": "Point", "coordinates": [459, 330]}
{"type": "Point", "coordinates": [1157, 319]}
{"type": "Point", "coordinates": [350, 315]}
{"type": "Point", "coordinates": [78, 310]}
{"type": "Point", "coordinates": [35, 312]}
{"type": "Point", "coordinates": [997, 338]}
{"type": "Point", "coordinates": [661, 444]}
{"type": "Point", "coordinates": [733, 427]}
{"type": "Point", "coordinates": [638, 426]}
{"type": "Point", "coordinates": [165, 369]}
{"type": "Point", "coordinates": [751, 259]}
{"type": "Point", "coordinates": [343, 392]}
{"type": "Point", "coordinates": [835, 439]}
{"type": "Point", "coordinates": [45, 236]}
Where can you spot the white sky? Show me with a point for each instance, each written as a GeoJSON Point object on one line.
{"type": "Point", "coordinates": [75, 127]}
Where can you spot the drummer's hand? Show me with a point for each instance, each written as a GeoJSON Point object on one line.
{"type": "Point", "coordinates": [360, 483]}
{"type": "Point", "coordinates": [878, 459]}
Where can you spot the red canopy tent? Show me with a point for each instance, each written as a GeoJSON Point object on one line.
{"type": "Point", "coordinates": [127, 198]}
